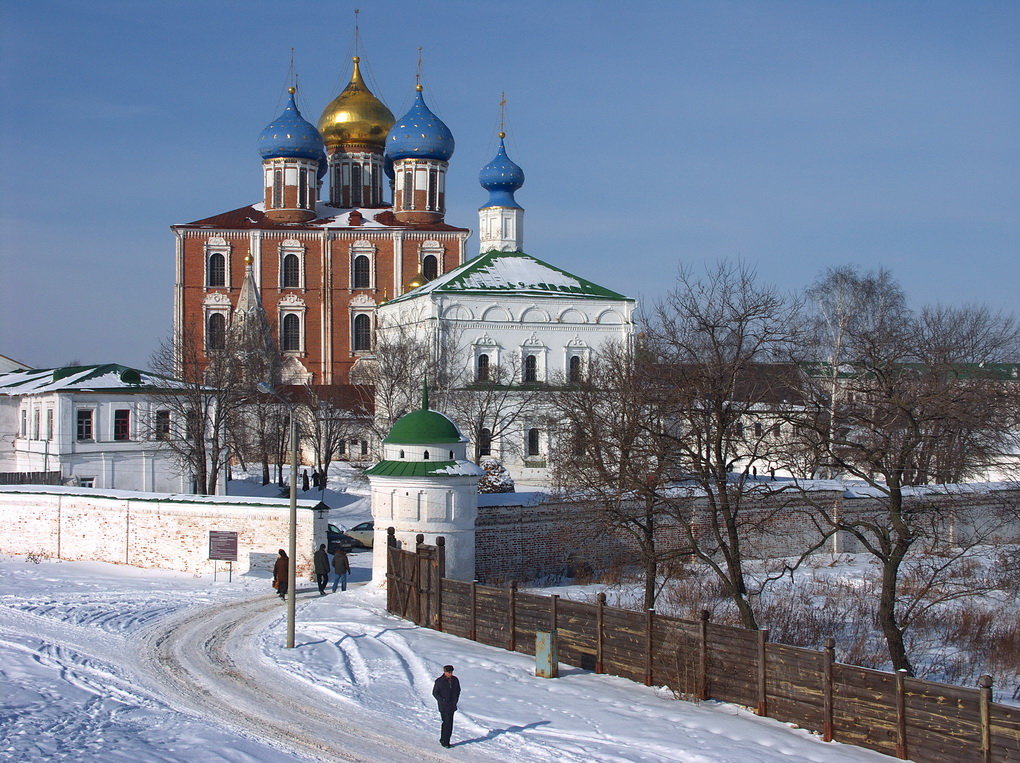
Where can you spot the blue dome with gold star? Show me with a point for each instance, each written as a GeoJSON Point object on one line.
{"type": "Point", "coordinates": [501, 177]}
{"type": "Point", "coordinates": [291, 136]}
{"type": "Point", "coordinates": [419, 133]}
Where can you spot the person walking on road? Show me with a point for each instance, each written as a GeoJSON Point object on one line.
{"type": "Point", "coordinates": [446, 691]}
{"type": "Point", "coordinates": [281, 574]}
{"type": "Point", "coordinates": [342, 568]}
{"type": "Point", "coordinates": [320, 561]}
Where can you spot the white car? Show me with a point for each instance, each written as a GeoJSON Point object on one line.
{"type": "Point", "coordinates": [363, 533]}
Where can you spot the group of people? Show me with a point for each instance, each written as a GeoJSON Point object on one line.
{"type": "Point", "coordinates": [321, 564]}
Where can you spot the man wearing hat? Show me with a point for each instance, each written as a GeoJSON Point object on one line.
{"type": "Point", "coordinates": [446, 691]}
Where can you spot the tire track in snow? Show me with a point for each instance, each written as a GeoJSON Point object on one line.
{"type": "Point", "coordinates": [209, 663]}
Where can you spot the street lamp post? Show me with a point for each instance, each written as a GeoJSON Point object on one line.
{"type": "Point", "coordinates": [292, 539]}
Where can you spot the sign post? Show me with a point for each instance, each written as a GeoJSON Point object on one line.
{"type": "Point", "coordinates": [223, 547]}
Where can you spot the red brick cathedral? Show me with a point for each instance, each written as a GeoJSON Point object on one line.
{"type": "Point", "coordinates": [325, 245]}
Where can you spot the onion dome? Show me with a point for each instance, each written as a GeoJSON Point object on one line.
{"type": "Point", "coordinates": [355, 116]}
{"type": "Point", "coordinates": [501, 177]}
{"type": "Point", "coordinates": [420, 134]}
{"type": "Point", "coordinates": [290, 136]}
{"type": "Point", "coordinates": [323, 166]}
{"type": "Point", "coordinates": [424, 427]}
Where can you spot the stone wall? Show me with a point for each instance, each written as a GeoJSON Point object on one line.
{"type": "Point", "coordinates": [524, 536]}
{"type": "Point", "coordinates": [152, 529]}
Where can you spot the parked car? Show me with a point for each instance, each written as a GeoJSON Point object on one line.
{"type": "Point", "coordinates": [337, 539]}
{"type": "Point", "coordinates": [363, 533]}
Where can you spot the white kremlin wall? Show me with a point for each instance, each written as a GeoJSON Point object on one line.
{"type": "Point", "coordinates": [166, 531]}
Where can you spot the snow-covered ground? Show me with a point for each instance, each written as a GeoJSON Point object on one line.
{"type": "Point", "coordinates": [111, 663]}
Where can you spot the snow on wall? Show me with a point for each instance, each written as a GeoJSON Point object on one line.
{"type": "Point", "coordinates": [158, 531]}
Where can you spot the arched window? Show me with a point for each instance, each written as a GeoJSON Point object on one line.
{"type": "Point", "coordinates": [291, 271]}
{"type": "Point", "coordinates": [530, 368]}
{"type": "Point", "coordinates": [408, 200]}
{"type": "Point", "coordinates": [216, 273]}
{"type": "Point", "coordinates": [401, 454]}
{"type": "Point", "coordinates": [485, 443]}
{"type": "Point", "coordinates": [533, 436]}
{"type": "Point", "coordinates": [574, 369]}
{"type": "Point", "coordinates": [277, 189]}
{"type": "Point", "coordinates": [429, 267]}
{"type": "Point", "coordinates": [433, 189]}
{"type": "Point", "coordinates": [362, 332]}
{"type": "Point", "coordinates": [357, 186]}
{"type": "Point", "coordinates": [362, 272]}
{"type": "Point", "coordinates": [216, 331]}
{"type": "Point", "coordinates": [482, 371]}
{"type": "Point", "coordinates": [302, 188]}
{"type": "Point", "coordinates": [426, 456]}
{"type": "Point", "coordinates": [291, 333]}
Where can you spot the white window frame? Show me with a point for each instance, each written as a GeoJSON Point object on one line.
{"type": "Point", "coordinates": [217, 245]}
{"type": "Point", "coordinates": [290, 246]}
{"type": "Point", "coordinates": [362, 248]}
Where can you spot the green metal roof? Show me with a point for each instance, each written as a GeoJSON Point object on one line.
{"type": "Point", "coordinates": [409, 468]}
{"type": "Point", "coordinates": [423, 427]}
{"type": "Point", "coordinates": [512, 273]}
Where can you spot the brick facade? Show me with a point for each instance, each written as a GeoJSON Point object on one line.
{"type": "Point", "coordinates": [325, 298]}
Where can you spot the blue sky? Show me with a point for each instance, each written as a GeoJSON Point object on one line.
{"type": "Point", "coordinates": [793, 135]}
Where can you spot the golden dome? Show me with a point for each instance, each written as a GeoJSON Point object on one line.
{"type": "Point", "coordinates": [355, 116]}
{"type": "Point", "coordinates": [418, 280]}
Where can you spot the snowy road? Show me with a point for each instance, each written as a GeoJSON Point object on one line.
{"type": "Point", "coordinates": [111, 663]}
{"type": "Point", "coordinates": [208, 660]}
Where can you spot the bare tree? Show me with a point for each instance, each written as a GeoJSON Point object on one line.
{"type": "Point", "coordinates": [199, 407]}
{"type": "Point", "coordinates": [844, 303]}
{"type": "Point", "coordinates": [914, 396]}
{"type": "Point", "coordinates": [490, 408]}
{"type": "Point", "coordinates": [334, 416]}
{"type": "Point", "coordinates": [611, 458]}
{"type": "Point", "coordinates": [402, 359]}
{"type": "Point", "coordinates": [714, 339]}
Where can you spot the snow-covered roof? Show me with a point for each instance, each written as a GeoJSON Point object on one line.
{"type": "Point", "coordinates": [136, 495]}
{"type": "Point", "coordinates": [326, 216]}
{"type": "Point", "coordinates": [10, 364]}
{"type": "Point", "coordinates": [505, 273]}
{"type": "Point", "coordinates": [109, 376]}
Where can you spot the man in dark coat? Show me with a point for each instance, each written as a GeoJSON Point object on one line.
{"type": "Point", "coordinates": [281, 573]}
{"type": "Point", "coordinates": [446, 691]}
{"type": "Point", "coordinates": [321, 563]}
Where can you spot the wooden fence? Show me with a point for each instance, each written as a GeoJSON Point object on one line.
{"type": "Point", "coordinates": [888, 712]}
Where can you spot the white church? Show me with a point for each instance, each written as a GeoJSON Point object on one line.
{"type": "Point", "coordinates": [508, 318]}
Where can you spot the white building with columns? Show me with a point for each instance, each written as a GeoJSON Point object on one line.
{"type": "Point", "coordinates": [99, 426]}
{"type": "Point", "coordinates": [510, 318]}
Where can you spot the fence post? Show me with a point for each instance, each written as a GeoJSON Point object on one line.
{"type": "Point", "coordinates": [901, 715]}
{"type": "Point", "coordinates": [554, 602]}
{"type": "Point", "coordinates": [763, 702]}
{"type": "Point", "coordinates": [600, 614]}
{"type": "Point", "coordinates": [512, 637]}
{"type": "Point", "coordinates": [649, 644]}
{"type": "Point", "coordinates": [474, 610]}
{"type": "Point", "coordinates": [985, 704]}
{"type": "Point", "coordinates": [440, 573]}
{"type": "Point", "coordinates": [830, 657]}
{"type": "Point", "coordinates": [419, 541]}
{"type": "Point", "coordinates": [703, 657]}
{"type": "Point", "coordinates": [391, 573]}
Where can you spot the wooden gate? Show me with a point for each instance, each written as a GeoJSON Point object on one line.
{"type": "Point", "coordinates": [414, 580]}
